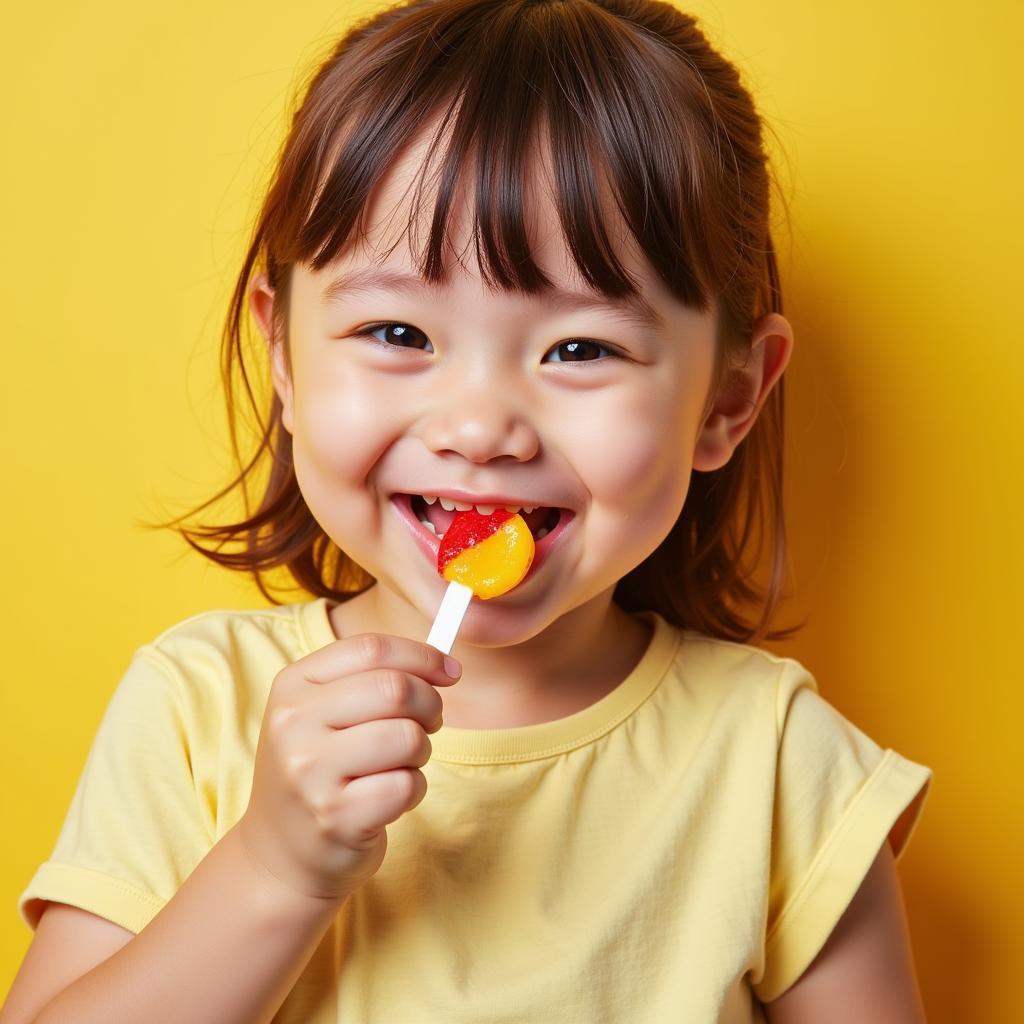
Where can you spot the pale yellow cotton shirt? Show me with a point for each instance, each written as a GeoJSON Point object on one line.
{"type": "Point", "coordinates": [677, 851]}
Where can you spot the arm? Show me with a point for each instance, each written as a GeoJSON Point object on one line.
{"type": "Point", "coordinates": [227, 948]}
{"type": "Point", "coordinates": [865, 971]}
{"type": "Point", "coordinates": [344, 735]}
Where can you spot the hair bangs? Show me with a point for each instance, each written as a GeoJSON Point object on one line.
{"type": "Point", "coordinates": [529, 109]}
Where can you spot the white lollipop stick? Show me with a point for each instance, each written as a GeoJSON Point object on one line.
{"type": "Point", "coordinates": [449, 616]}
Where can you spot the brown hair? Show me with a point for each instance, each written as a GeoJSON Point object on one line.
{"type": "Point", "coordinates": [628, 89]}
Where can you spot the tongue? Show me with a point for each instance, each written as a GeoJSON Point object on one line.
{"type": "Point", "coordinates": [439, 518]}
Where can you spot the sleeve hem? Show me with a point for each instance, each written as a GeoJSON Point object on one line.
{"type": "Point", "coordinates": [112, 898]}
{"type": "Point", "coordinates": [893, 795]}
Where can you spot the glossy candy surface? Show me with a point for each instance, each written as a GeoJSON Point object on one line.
{"type": "Point", "coordinates": [490, 554]}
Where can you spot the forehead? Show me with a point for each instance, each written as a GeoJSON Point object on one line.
{"type": "Point", "coordinates": [397, 217]}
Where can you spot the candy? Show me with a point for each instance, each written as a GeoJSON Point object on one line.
{"type": "Point", "coordinates": [490, 554]}
{"type": "Point", "coordinates": [481, 556]}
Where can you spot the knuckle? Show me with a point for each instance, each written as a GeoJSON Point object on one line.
{"type": "Point", "coordinates": [416, 747]}
{"type": "Point", "coordinates": [288, 683]}
{"type": "Point", "coordinates": [396, 687]}
{"type": "Point", "coordinates": [283, 678]}
{"type": "Point", "coordinates": [279, 720]}
{"type": "Point", "coordinates": [365, 836]}
{"type": "Point", "coordinates": [322, 807]}
{"type": "Point", "coordinates": [298, 768]}
{"type": "Point", "coordinates": [372, 647]}
{"type": "Point", "coordinates": [431, 658]}
{"type": "Point", "coordinates": [411, 737]}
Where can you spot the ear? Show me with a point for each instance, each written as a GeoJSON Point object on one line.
{"type": "Point", "coordinates": [744, 392]}
{"type": "Point", "coordinates": [261, 302]}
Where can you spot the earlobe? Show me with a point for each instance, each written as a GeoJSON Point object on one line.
{"type": "Point", "coordinates": [261, 303]}
{"type": "Point", "coordinates": [743, 393]}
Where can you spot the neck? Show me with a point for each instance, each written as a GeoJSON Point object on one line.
{"type": "Point", "coordinates": [572, 663]}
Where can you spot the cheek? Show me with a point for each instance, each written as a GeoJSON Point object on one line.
{"type": "Point", "coordinates": [341, 426]}
{"type": "Point", "coordinates": [635, 456]}
{"type": "Point", "coordinates": [637, 472]}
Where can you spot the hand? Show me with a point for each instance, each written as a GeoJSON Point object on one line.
{"type": "Point", "coordinates": [343, 737]}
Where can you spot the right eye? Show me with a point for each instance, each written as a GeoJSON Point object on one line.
{"type": "Point", "coordinates": [397, 335]}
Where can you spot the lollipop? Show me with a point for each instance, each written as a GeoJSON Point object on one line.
{"type": "Point", "coordinates": [485, 555]}
{"type": "Point", "coordinates": [490, 554]}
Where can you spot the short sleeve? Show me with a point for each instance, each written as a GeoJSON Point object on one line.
{"type": "Point", "coordinates": [838, 797]}
{"type": "Point", "coordinates": [137, 825]}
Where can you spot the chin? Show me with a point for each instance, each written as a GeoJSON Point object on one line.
{"type": "Point", "coordinates": [501, 623]}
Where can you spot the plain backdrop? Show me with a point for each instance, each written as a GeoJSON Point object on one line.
{"type": "Point", "coordinates": [136, 139]}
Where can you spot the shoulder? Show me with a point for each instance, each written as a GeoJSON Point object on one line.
{"type": "Point", "coordinates": [739, 691]}
{"type": "Point", "coordinates": [290, 630]}
{"type": "Point", "coordinates": [229, 654]}
{"type": "Point", "coordinates": [732, 654]}
{"type": "Point", "coordinates": [288, 623]}
{"type": "Point", "coordinates": [739, 671]}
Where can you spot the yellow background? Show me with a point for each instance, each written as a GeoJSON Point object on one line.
{"type": "Point", "coordinates": [135, 140]}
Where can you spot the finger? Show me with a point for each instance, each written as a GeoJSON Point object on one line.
{"type": "Point", "coordinates": [370, 696]}
{"type": "Point", "coordinates": [377, 650]}
{"type": "Point", "coordinates": [371, 747]}
{"type": "Point", "coordinates": [373, 801]}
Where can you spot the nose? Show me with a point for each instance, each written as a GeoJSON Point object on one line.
{"type": "Point", "coordinates": [480, 425]}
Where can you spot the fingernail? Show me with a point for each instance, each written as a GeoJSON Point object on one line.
{"type": "Point", "coordinates": [452, 667]}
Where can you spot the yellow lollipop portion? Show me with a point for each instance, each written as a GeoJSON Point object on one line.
{"type": "Point", "coordinates": [489, 554]}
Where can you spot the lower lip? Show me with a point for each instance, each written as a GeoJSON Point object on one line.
{"type": "Point", "coordinates": [429, 543]}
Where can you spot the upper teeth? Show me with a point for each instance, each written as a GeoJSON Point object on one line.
{"type": "Point", "coordinates": [484, 510]}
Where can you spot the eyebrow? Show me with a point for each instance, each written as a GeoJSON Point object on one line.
{"type": "Point", "coordinates": [633, 310]}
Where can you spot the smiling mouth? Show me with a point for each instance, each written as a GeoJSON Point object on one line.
{"type": "Point", "coordinates": [436, 516]}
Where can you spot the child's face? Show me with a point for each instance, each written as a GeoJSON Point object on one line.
{"type": "Point", "coordinates": [483, 398]}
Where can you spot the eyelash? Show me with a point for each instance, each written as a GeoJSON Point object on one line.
{"type": "Point", "coordinates": [367, 332]}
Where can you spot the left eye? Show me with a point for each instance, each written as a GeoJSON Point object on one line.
{"type": "Point", "coordinates": [579, 350]}
{"type": "Point", "coordinates": [398, 336]}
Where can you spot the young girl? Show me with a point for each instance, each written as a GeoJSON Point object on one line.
{"type": "Point", "coordinates": [515, 253]}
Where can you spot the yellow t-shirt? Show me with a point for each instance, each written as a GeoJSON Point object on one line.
{"type": "Point", "coordinates": [676, 851]}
